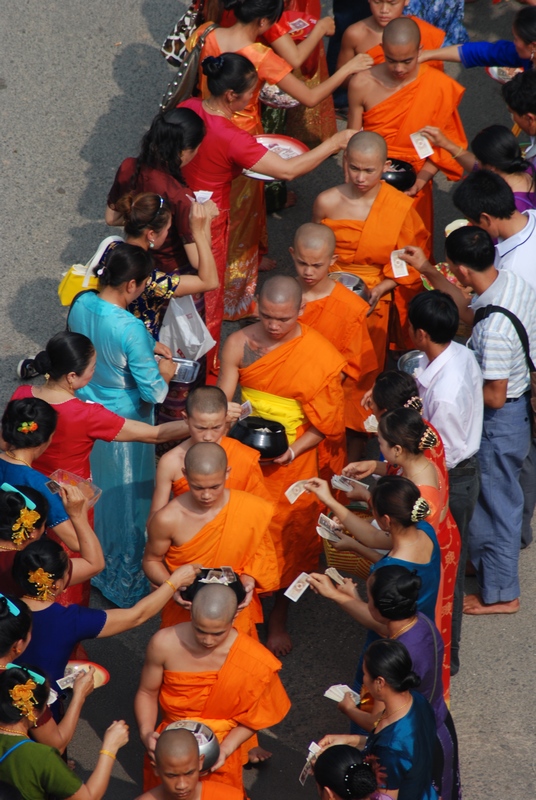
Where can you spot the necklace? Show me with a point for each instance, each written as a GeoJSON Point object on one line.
{"type": "Point", "coordinates": [412, 622]}
{"type": "Point", "coordinates": [16, 458]}
{"type": "Point", "coordinates": [39, 599]}
{"type": "Point", "coordinates": [216, 110]}
{"type": "Point", "coordinates": [419, 472]}
{"type": "Point", "coordinates": [6, 547]}
{"type": "Point", "coordinates": [13, 733]}
{"type": "Point", "coordinates": [385, 716]}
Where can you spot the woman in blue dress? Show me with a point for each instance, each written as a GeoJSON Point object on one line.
{"type": "Point", "coordinates": [128, 381]}
{"type": "Point", "coordinates": [444, 14]}
{"type": "Point", "coordinates": [401, 746]}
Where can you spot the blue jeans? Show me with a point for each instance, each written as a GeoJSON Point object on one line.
{"type": "Point", "coordinates": [495, 529]}
{"type": "Point", "coordinates": [528, 484]}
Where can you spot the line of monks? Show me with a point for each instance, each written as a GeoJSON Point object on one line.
{"type": "Point", "coordinates": [308, 361]}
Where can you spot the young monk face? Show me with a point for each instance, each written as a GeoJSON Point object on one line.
{"type": "Point", "coordinates": [179, 775]}
{"type": "Point", "coordinates": [206, 427]}
{"type": "Point", "coordinates": [401, 60]}
{"type": "Point", "coordinates": [209, 633]}
{"type": "Point", "coordinates": [365, 168]}
{"type": "Point", "coordinates": [384, 11]}
{"type": "Point", "coordinates": [207, 489]}
{"type": "Point", "coordinates": [278, 319]}
{"type": "Point", "coordinates": [312, 263]}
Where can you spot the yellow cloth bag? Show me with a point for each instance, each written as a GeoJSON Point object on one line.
{"type": "Point", "coordinates": [277, 409]}
{"type": "Point", "coordinates": [80, 276]}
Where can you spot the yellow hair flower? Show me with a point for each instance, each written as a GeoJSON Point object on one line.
{"type": "Point", "coordinates": [24, 525]}
{"type": "Point", "coordinates": [44, 583]}
{"type": "Point", "coordinates": [23, 699]}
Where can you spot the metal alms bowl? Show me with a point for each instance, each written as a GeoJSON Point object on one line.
{"type": "Point", "coordinates": [270, 443]}
{"type": "Point", "coordinates": [353, 282]}
{"type": "Point", "coordinates": [206, 739]}
{"type": "Point", "coordinates": [403, 177]}
{"type": "Point", "coordinates": [411, 361]}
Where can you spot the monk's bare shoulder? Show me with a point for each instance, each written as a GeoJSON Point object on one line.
{"type": "Point", "coordinates": [167, 517]}
{"type": "Point", "coordinates": [327, 203]}
{"type": "Point", "coordinates": [173, 460]}
{"type": "Point", "coordinates": [356, 36]}
{"type": "Point", "coordinates": [254, 349]}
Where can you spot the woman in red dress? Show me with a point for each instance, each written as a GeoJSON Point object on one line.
{"type": "Point", "coordinates": [69, 362]}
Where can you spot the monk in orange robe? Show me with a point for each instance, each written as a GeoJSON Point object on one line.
{"type": "Point", "coordinates": [291, 374]}
{"type": "Point", "coordinates": [400, 97]}
{"type": "Point", "coordinates": [207, 671]}
{"type": "Point", "coordinates": [340, 316]}
{"type": "Point", "coordinates": [178, 764]}
{"type": "Point", "coordinates": [223, 527]}
{"type": "Point", "coordinates": [365, 36]}
{"type": "Point", "coordinates": [370, 219]}
{"type": "Point", "coordinates": [207, 414]}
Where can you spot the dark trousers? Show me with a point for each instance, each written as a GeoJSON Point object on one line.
{"type": "Point", "coordinates": [345, 12]}
{"type": "Point", "coordinates": [527, 479]}
{"type": "Point", "coordinates": [464, 486]}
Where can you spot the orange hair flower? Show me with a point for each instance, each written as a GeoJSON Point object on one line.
{"type": "Point", "coordinates": [24, 525]}
{"type": "Point", "coordinates": [44, 583]}
{"type": "Point", "coordinates": [28, 427]}
{"type": "Point", "coordinates": [23, 699]}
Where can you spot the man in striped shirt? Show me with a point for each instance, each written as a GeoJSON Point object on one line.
{"type": "Point", "coordinates": [495, 529]}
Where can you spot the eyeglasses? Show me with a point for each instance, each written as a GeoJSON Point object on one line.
{"type": "Point", "coordinates": [37, 678]}
{"type": "Point", "coordinates": [12, 607]}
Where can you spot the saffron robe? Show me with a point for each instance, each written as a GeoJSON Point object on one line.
{"type": "Point", "coordinates": [246, 474]}
{"type": "Point", "coordinates": [237, 537]}
{"type": "Point", "coordinates": [246, 690]}
{"type": "Point", "coordinates": [308, 370]}
{"type": "Point", "coordinates": [432, 38]}
{"type": "Point", "coordinates": [342, 319]}
{"type": "Point", "coordinates": [364, 247]}
{"type": "Point", "coordinates": [431, 99]}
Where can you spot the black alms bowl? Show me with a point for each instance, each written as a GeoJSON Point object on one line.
{"type": "Point", "coordinates": [403, 177]}
{"type": "Point", "coordinates": [270, 444]}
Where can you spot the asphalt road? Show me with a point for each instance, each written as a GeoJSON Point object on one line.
{"type": "Point", "coordinates": [79, 83]}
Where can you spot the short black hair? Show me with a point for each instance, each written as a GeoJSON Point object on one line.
{"type": "Point", "coordinates": [471, 247]}
{"type": "Point", "coordinates": [519, 94]}
{"type": "Point", "coordinates": [484, 192]}
{"type": "Point", "coordinates": [436, 313]}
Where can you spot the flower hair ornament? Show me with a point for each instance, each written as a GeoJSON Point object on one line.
{"type": "Point", "coordinates": [24, 525]}
{"type": "Point", "coordinates": [28, 427]}
{"type": "Point", "coordinates": [44, 583]}
{"type": "Point", "coordinates": [428, 440]}
{"type": "Point", "coordinates": [414, 402]}
{"type": "Point", "coordinates": [23, 698]}
{"type": "Point", "coordinates": [420, 510]}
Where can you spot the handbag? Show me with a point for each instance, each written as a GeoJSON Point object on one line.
{"type": "Point", "coordinates": [184, 84]}
{"type": "Point", "coordinates": [80, 276]}
{"type": "Point", "coordinates": [183, 330]}
{"type": "Point", "coordinates": [190, 20]}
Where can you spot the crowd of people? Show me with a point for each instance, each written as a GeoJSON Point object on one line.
{"type": "Point", "coordinates": [116, 473]}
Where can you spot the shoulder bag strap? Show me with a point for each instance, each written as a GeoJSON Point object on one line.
{"type": "Point", "coordinates": [24, 741]}
{"type": "Point", "coordinates": [484, 313]}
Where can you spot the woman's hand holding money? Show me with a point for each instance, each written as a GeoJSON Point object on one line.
{"type": "Point", "coordinates": [342, 738]}
{"type": "Point", "coordinates": [347, 704]}
{"type": "Point", "coordinates": [346, 543]}
{"type": "Point", "coordinates": [361, 469]}
{"type": "Point", "coordinates": [366, 400]}
{"type": "Point", "coordinates": [322, 585]}
{"type": "Point", "coordinates": [320, 487]}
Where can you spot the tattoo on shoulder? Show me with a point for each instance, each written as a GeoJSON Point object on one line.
{"type": "Point", "coordinates": [252, 353]}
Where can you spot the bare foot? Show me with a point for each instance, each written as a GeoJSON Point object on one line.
{"type": "Point", "coordinates": [474, 605]}
{"type": "Point", "coordinates": [279, 643]}
{"type": "Point", "coordinates": [267, 264]}
{"type": "Point", "coordinates": [292, 199]}
{"type": "Point", "coordinates": [258, 755]}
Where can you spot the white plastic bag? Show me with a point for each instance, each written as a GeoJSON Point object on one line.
{"type": "Point", "coordinates": [183, 330]}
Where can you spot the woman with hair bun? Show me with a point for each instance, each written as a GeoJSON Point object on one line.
{"type": "Point", "coordinates": [37, 770]}
{"type": "Point", "coordinates": [128, 381]}
{"type": "Point", "coordinates": [247, 236]}
{"type": "Point", "coordinates": [402, 743]}
{"type": "Point", "coordinates": [496, 149]}
{"type": "Point", "coordinates": [23, 516]}
{"type": "Point", "coordinates": [341, 773]}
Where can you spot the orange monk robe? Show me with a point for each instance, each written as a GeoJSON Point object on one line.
{"type": "Point", "coordinates": [432, 38]}
{"type": "Point", "coordinates": [210, 790]}
{"type": "Point", "coordinates": [306, 369]}
{"type": "Point", "coordinates": [245, 475]}
{"type": "Point", "coordinates": [364, 247]}
{"type": "Point", "coordinates": [342, 319]}
{"type": "Point", "coordinates": [431, 99]}
{"type": "Point", "coordinates": [237, 537]}
{"type": "Point", "coordinates": [246, 690]}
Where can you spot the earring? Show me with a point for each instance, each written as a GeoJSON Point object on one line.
{"type": "Point", "coordinates": [151, 245]}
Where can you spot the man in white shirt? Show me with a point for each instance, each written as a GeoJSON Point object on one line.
{"type": "Point", "coordinates": [487, 201]}
{"type": "Point", "coordinates": [450, 387]}
{"type": "Point", "coordinates": [495, 529]}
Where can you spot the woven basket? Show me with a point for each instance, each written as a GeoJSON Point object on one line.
{"type": "Point", "coordinates": [349, 562]}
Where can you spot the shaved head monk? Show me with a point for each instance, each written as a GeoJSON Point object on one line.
{"type": "Point", "coordinates": [370, 219]}
{"type": "Point", "coordinates": [400, 97]}
{"type": "Point", "coordinates": [206, 414]}
{"type": "Point", "coordinates": [206, 670]}
{"type": "Point", "coordinates": [177, 765]}
{"type": "Point", "coordinates": [292, 374]}
{"type": "Point", "coordinates": [225, 527]}
{"type": "Point", "coordinates": [365, 36]}
{"type": "Point", "coordinates": [340, 316]}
